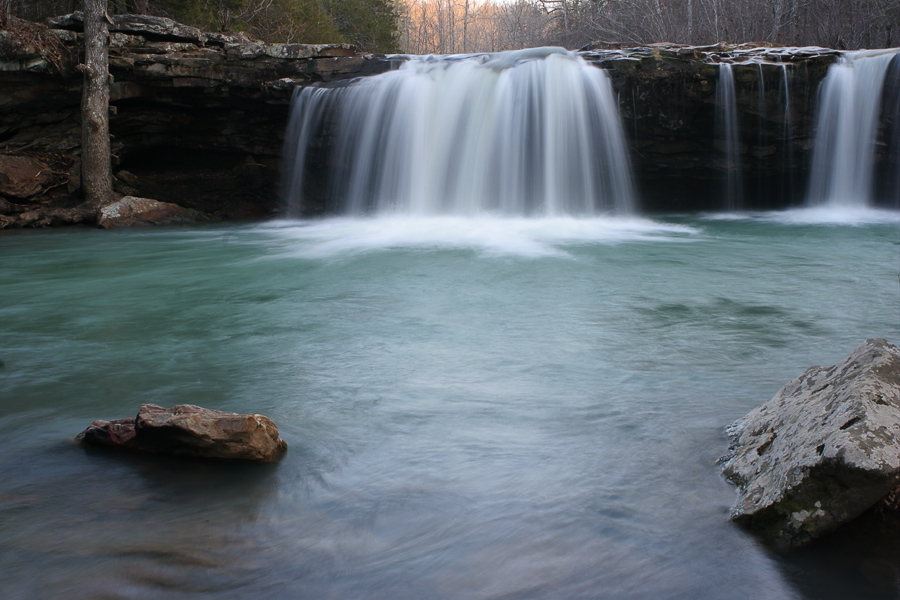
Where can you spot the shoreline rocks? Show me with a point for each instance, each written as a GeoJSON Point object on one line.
{"type": "Point", "coordinates": [132, 211]}
{"type": "Point", "coordinates": [822, 451]}
{"type": "Point", "coordinates": [190, 431]}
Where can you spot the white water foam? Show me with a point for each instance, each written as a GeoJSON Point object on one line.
{"type": "Point", "coordinates": [728, 132]}
{"type": "Point", "coordinates": [486, 235]}
{"type": "Point", "coordinates": [823, 215]}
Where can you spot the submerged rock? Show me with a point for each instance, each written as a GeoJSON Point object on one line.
{"type": "Point", "coordinates": [188, 430]}
{"type": "Point", "coordinates": [822, 451]}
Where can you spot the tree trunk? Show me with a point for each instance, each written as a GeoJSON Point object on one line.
{"type": "Point", "coordinates": [96, 176]}
{"type": "Point", "coordinates": [465, 47]}
{"type": "Point", "coordinates": [690, 22]}
{"type": "Point", "coordinates": [716, 17]}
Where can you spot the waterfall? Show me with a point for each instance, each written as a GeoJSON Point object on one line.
{"type": "Point", "coordinates": [532, 132]}
{"type": "Point", "coordinates": [891, 185]}
{"type": "Point", "coordinates": [762, 184]}
{"type": "Point", "coordinates": [846, 130]}
{"type": "Point", "coordinates": [787, 146]}
{"type": "Point", "coordinates": [729, 136]}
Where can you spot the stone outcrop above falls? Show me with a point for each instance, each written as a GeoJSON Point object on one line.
{"type": "Point", "coordinates": [822, 451]}
{"type": "Point", "coordinates": [135, 25]}
{"type": "Point", "coordinates": [156, 49]}
{"type": "Point", "coordinates": [190, 431]}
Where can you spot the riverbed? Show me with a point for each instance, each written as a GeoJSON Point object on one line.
{"type": "Point", "coordinates": [475, 407]}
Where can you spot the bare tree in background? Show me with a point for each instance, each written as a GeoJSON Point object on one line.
{"type": "Point", "coordinates": [4, 13]}
{"type": "Point", "coordinates": [8, 8]}
{"type": "Point", "coordinates": [96, 174]}
{"type": "Point", "coordinates": [444, 26]}
{"type": "Point", "coordinates": [524, 25]}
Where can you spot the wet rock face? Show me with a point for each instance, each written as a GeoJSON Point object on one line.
{"type": "Point", "coordinates": [667, 99]}
{"type": "Point", "coordinates": [822, 451]}
{"type": "Point", "coordinates": [193, 431]}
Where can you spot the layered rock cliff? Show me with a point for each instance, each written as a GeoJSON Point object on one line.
{"type": "Point", "coordinates": [198, 118]}
{"type": "Point", "coordinates": [668, 101]}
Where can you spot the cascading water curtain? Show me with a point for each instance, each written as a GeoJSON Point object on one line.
{"type": "Point", "coordinates": [788, 187]}
{"type": "Point", "coordinates": [728, 133]}
{"type": "Point", "coordinates": [532, 132]}
{"type": "Point", "coordinates": [891, 189]}
{"type": "Point", "coordinates": [846, 130]}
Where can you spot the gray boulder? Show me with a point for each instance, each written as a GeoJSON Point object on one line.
{"type": "Point", "coordinates": [822, 451]}
{"type": "Point", "coordinates": [188, 430]}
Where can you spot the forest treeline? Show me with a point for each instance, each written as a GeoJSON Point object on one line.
{"type": "Point", "coordinates": [370, 24]}
{"type": "Point", "coordinates": [449, 26]}
{"type": "Point", "coordinates": [458, 26]}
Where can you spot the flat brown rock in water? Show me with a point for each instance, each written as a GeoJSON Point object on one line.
{"type": "Point", "coordinates": [823, 450]}
{"type": "Point", "coordinates": [132, 211]}
{"type": "Point", "coordinates": [188, 430]}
